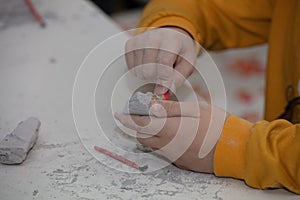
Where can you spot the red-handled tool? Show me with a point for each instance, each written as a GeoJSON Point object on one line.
{"type": "Point", "coordinates": [166, 96]}
{"type": "Point", "coordinates": [120, 158]}
{"type": "Point", "coordinates": [35, 13]}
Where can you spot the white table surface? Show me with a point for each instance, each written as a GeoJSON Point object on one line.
{"type": "Point", "coordinates": [37, 72]}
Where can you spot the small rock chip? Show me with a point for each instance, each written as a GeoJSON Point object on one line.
{"type": "Point", "coordinates": [15, 146]}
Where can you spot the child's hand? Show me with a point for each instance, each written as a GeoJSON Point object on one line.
{"type": "Point", "coordinates": [156, 54]}
{"type": "Point", "coordinates": [183, 132]}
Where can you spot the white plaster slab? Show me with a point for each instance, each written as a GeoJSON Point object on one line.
{"type": "Point", "coordinates": [37, 72]}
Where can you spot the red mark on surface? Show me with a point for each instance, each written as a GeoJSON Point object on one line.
{"type": "Point", "coordinates": [251, 116]}
{"type": "Point", "coordinates": [248, 67]}
{"type": "Point", "coordinates": [244, 96]}
{"type": "Point", "coordinates": [120, 158]}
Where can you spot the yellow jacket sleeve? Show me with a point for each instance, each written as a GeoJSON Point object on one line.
{"type": "Point", "coordinates": [265, 154]}
{"type": "Point", "coordinates": [215, 24]}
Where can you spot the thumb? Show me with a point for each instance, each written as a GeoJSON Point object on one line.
{"type": "Point", "coordinates": [183, 69]}
{"type": "Point", "coordinates": [174, 109]}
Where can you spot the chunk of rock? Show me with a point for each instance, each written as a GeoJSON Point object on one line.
{"type": "Point", "coordinates": [138, 104]}
{"type": "Point", "coordinates": [15, 146]}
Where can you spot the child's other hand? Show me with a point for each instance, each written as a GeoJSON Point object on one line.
{"type": "Point", "coordinates": [158, 55]}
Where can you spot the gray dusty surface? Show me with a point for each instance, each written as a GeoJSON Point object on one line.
{"type": "Point", "coordinates": [37, 72]}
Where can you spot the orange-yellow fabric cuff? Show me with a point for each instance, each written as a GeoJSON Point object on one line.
{"type": "Point", "coordinates": [170, 21]}
{"type": "Point", "coordinates": [229, 157]}
{"type": "Point", "coordinates": [176, 21]}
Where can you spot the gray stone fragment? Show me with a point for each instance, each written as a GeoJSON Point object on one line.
{"type": "Point", "coordinates": [15, 146]}
{"type": "Point", "coordinates": [138, 104]}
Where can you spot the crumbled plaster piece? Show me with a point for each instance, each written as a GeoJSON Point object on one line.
{"type": "Point", "coordinates": [15, 146]}
{"type": "Point", "coordinates": [138, 104]}
{"type": "Point", "coordinates": [144, 148]}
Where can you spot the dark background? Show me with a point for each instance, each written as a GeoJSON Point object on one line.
{"type": "Point", "coordinates": [114, 6]}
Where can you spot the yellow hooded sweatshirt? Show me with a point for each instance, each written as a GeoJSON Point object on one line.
{"type": "Point", "coordinates": [265, 154]}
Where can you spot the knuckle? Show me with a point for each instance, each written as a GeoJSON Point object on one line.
{"type": "Point", "coordinates": [163, 79]}
{"type": "Point", "coordinates": [148, 72]}
{"type": "Point", "coordinates": [141, 76]}
{"type": "Point", "coordinates": [150, 55]}
{"type": "Point", "coordinates": [165, 60]}
{"type": "Point", "coordinates": [164, 73]}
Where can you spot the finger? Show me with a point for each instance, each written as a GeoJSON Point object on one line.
{"type": "Point", "coordinates": [143, 124]}
{"type": "Point", "coordinates": [126, 120]}
{"type": "Point", "coordinates": [165, 62]}
{"type": "Point", "coordinates": [133, 121]}
{"type": "Point", "coordinates": [176, 109]}
{"type": "Point", "coordinates": [184, 66]}
{"type": "Point", "coordinates": [153, 142]}
{"type": "Point", "coordinates": [129, 54]}
{"type": "Point", "coordinates": [159, 89]}
{"type": "Point", "coordinates": [138, 61]}
{"type": "Point", "coordinates": [149, 60]}
{"type": "Point", "coordinates": [177, 80]}
{"type": "Point", "coordinates": [183, 69]}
